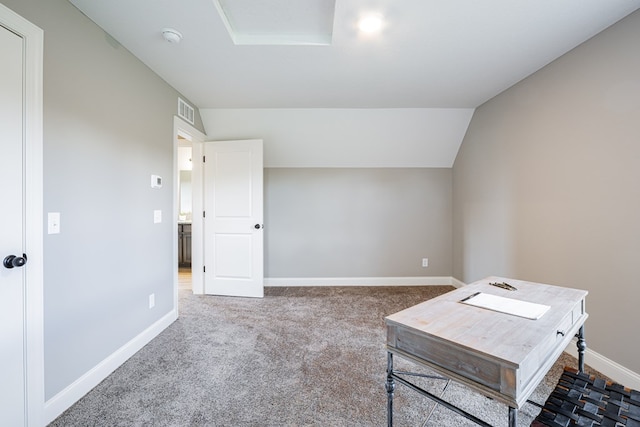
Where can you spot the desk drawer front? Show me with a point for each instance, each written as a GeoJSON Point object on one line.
{"type": "Point", "coordinates": [558, 335]}
{"type": "Point", "coordinates": [447, 356]}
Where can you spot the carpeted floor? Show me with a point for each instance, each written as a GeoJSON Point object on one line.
{"type": "Point", "coordinates": [298, 357]}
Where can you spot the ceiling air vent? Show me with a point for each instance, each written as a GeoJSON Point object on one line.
{"type": "Point", "coordinates": [185, 111]}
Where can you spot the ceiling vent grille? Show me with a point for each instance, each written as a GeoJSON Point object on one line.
{"type": "Point", "coordinates": [185, 111]}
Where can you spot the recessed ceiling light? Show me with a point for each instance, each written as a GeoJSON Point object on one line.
{"type": "Point", "coordinates": [370, 23]}
{"type": "Point", "coordinates": [171, 35]}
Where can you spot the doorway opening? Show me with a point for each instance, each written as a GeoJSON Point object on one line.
{"type": "Point", "coordinates": [185, 212]}
{"type": "Point", "coordinates": [187, 140]}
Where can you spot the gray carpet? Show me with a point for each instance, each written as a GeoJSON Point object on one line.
{"type": "Point", "coordinates": [297, 357]}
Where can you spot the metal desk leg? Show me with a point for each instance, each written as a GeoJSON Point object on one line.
{"type": "Point", "coordinates": [513, 417]}
{"type": "Point", "coordinates": [582, 346]}
{"type": "Point", "coordinates": [390, 386]}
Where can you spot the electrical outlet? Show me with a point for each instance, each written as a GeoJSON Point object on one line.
{"type": "Point", "coordinates": [425, 262]}
{"type": "Point", "coordinates": [152, 300]}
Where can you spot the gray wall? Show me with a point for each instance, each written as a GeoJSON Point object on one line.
{"type": "Point", "coordinates": [108, 125]}
{"type": "Point", "coordinates": [546, 185]}
{"type": "Point", "coordinates": [352, 192]}
{"type": "Point", "coordinates": [357, 222]}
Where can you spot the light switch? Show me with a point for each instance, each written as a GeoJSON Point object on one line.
{"type": "Point", "coordinates": [53, 219]}
{"type": "Point", "coordinates": [157, 216]}
{"type": "Point", "coordinates": [156, 181]}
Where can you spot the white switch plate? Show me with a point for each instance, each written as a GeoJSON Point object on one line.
{"type": "Point", "coordinates": [152, 300]}
{"type": "Point", "coordinates": [425, 262]}
{"type": "Point", "coordinates": [53, 220]}
{"type": "Point", "coordinates": [157, 216]}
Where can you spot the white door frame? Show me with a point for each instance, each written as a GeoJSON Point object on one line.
{"type": "Point", "coordinates": [34, 306]}
{"type": "Point", "coordinates": [190, 133]}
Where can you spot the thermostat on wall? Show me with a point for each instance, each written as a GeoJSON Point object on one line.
{"type": "Point", "coordinates": [156, 181]}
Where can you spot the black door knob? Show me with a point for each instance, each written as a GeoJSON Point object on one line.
{"type": "Point", "coordinates": [257, 226]}
{"type": "Point", "coordinates": [11, 261]}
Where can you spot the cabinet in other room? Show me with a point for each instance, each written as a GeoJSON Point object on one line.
{"type": "Point", "coordinates": [184, 245]}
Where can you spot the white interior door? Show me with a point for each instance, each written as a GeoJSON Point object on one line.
{"type": "Point", "coordinates": [233, 221]}
{"type": "Point", "coordinates": [12, 276]}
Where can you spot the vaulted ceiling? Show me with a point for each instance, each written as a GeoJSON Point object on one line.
{"type": "Point", "coordinates": [310, 53]}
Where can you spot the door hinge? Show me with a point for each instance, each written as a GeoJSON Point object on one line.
{"type": "Point", "coordinates": [204, 269]}
{"type": "Point", "coordinates": [204, 159]}
{"type": "Point", "coordinates": [204, 214]}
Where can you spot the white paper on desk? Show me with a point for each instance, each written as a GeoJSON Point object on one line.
{"type": "Point", "coordinates": [515, 307]}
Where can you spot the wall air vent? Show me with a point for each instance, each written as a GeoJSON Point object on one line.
{"type": "Point", "coordinates": [186, 111]}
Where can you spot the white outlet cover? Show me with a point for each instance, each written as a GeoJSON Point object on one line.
{"type": "Point", "coordinates": [157, 216]}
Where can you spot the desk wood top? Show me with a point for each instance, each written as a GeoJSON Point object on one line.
{"type": "Point", "coordinates": [504, 336]}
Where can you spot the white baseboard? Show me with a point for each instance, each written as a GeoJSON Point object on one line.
{"type": "Point", "coordinates": [457, 283]}
{"type": "Point", "coordinates": [611, 369]}
{"type": "Point", "coordinates": [71, 394]}
{"type": "Point", "coordinates": [359, 281]}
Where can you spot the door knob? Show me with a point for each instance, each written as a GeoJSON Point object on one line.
{"type": "Point", "coordinates": [258, 226]}
{"type": "Point", "coordinates": [11, 261]}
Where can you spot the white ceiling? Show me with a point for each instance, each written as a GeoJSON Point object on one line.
{"type": "Point", "coordinates": [430, 54]}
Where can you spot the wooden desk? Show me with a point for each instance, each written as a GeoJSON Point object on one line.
{"type": "Point", "coordinates": [499, 355]}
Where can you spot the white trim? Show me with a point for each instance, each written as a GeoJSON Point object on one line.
{"type": "Point", "coordinates": [613, 370]}
{"type": "Point", "coordinates": [359, 281]}
{"type": "Point", "coordinates": [457, 283]}
{"type": "Point", "coordinates": [34, 312]}
{"type": "Point", "coordinates": [606, 366]}
{"type": "Point", "coordinates": [225, 21]}
{"type": "Point", "coordinates": [72, 393]}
